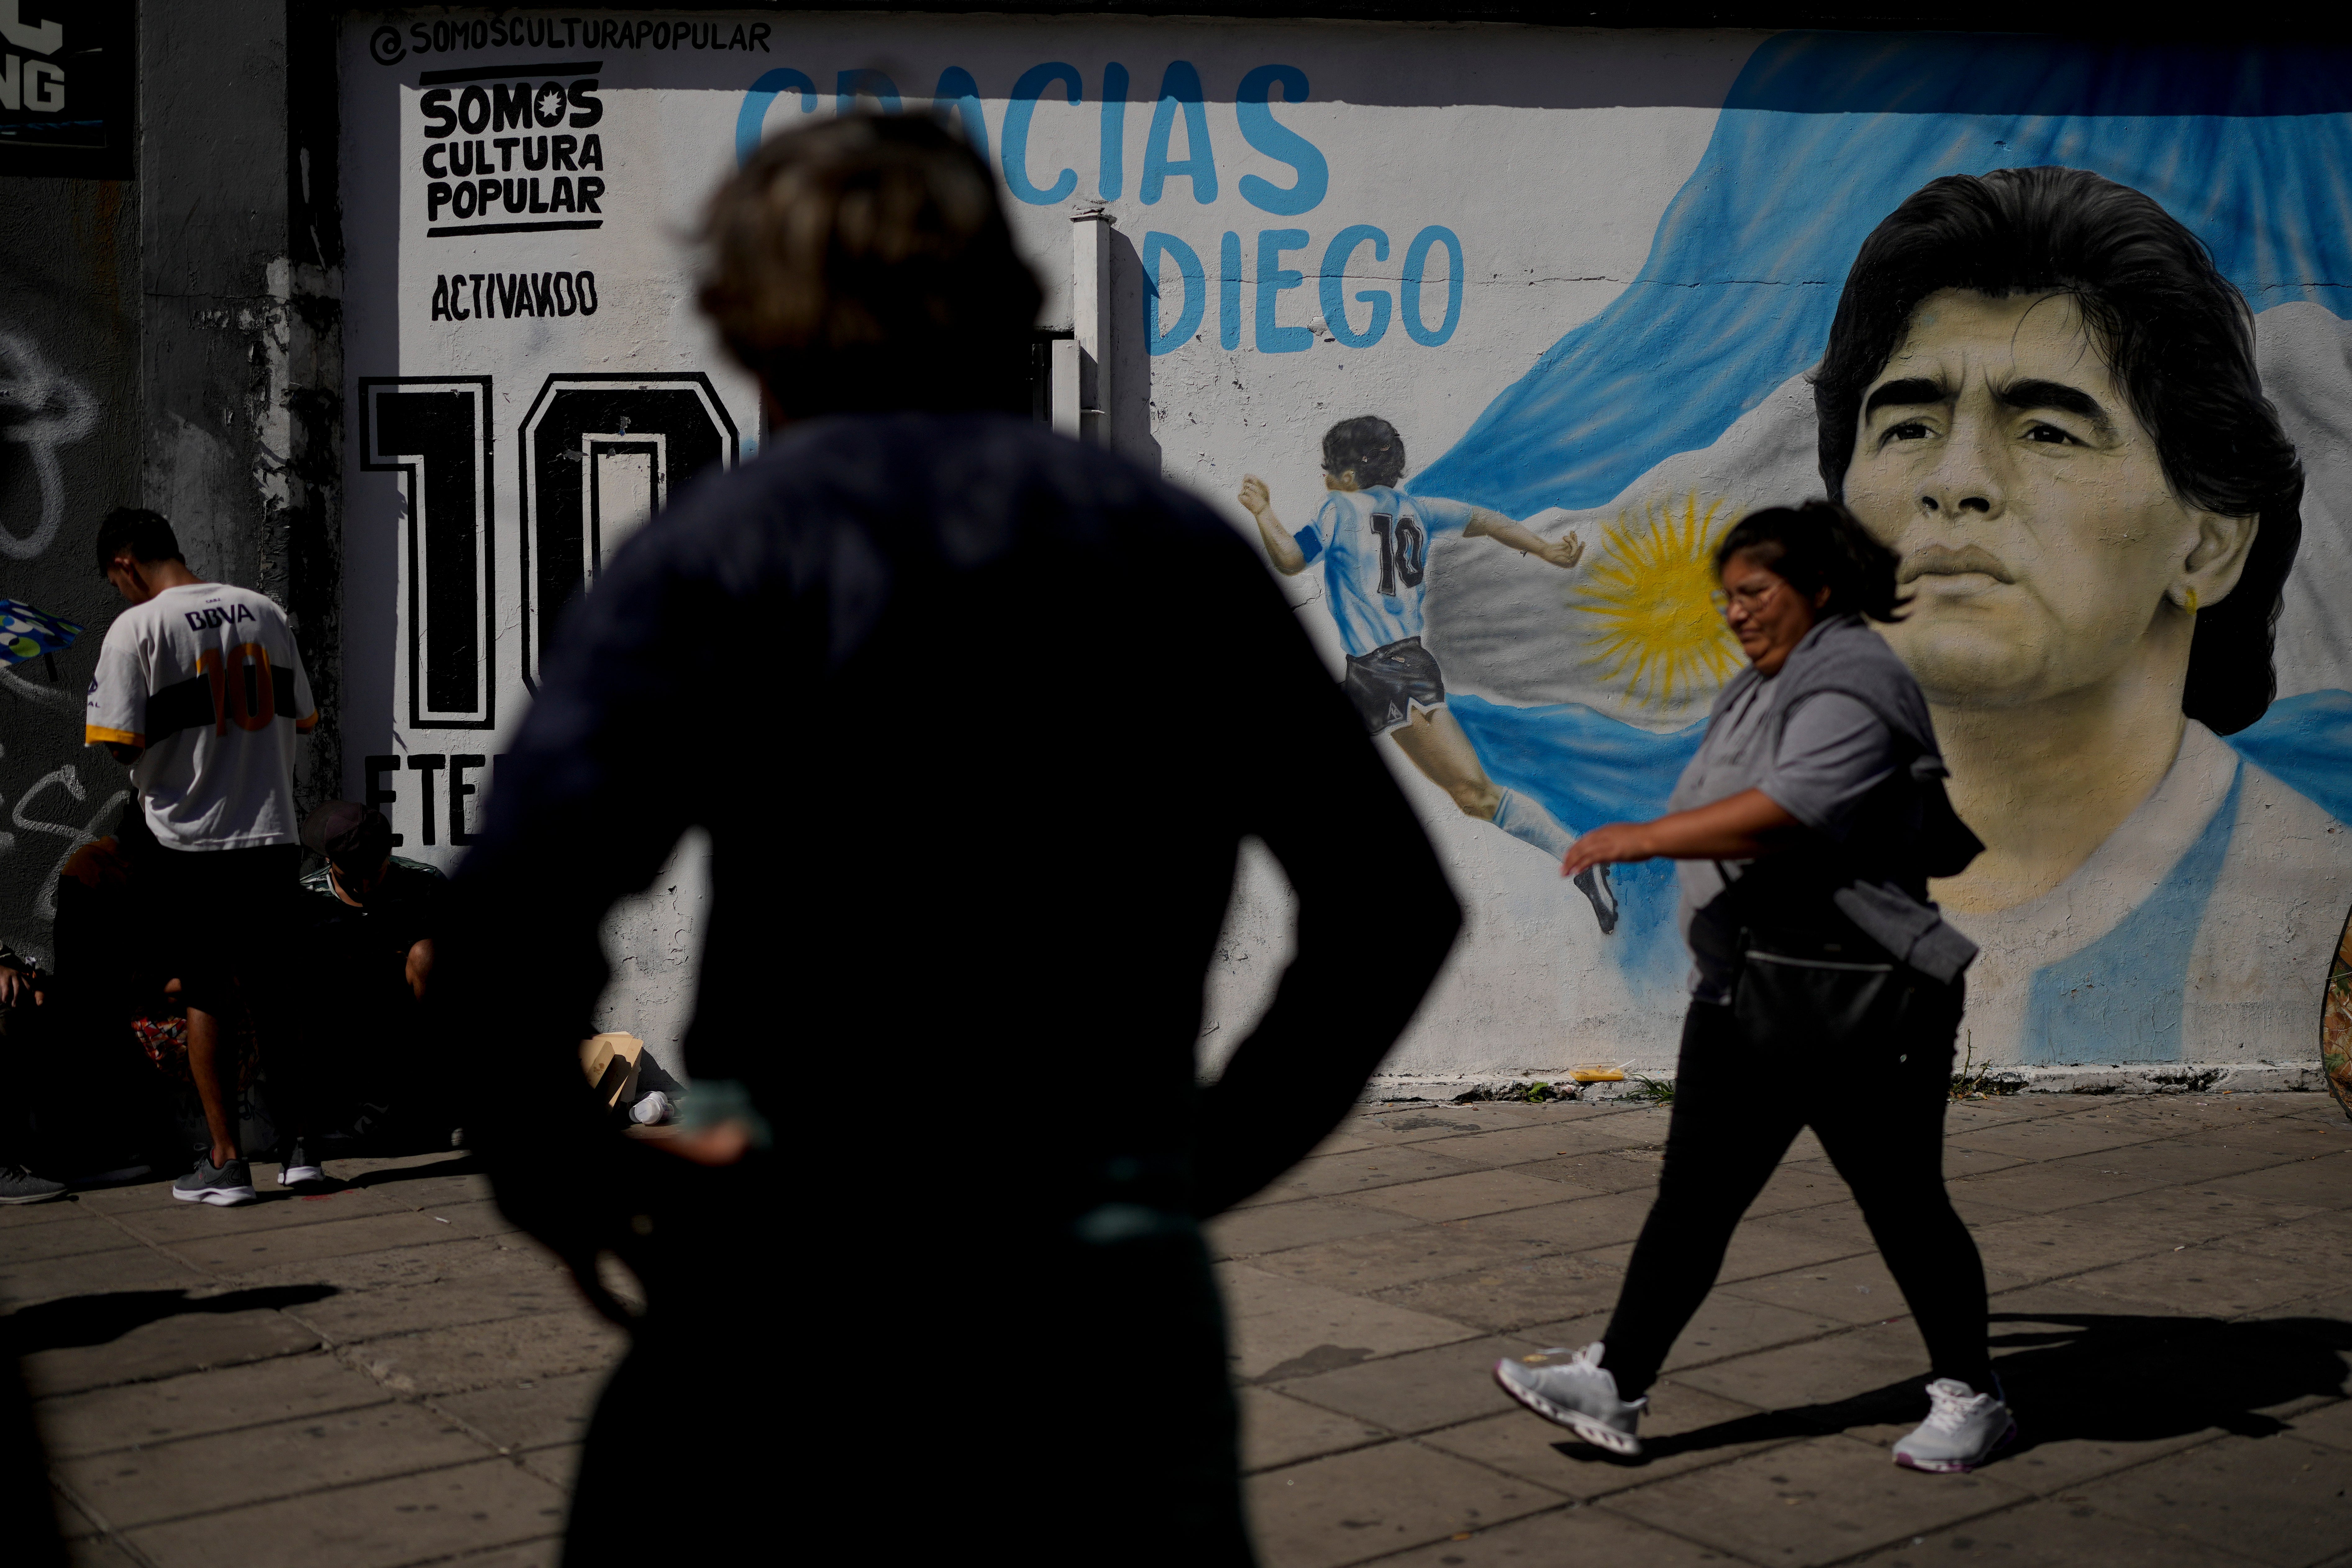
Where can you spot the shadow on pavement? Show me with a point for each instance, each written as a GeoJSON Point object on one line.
{"type": "Point", "coordinates": [97, 1319]}
{"type": "Point", "coordinates": [467, 1164]}
{"type": "Point", "coordinates": [2100, 1376]}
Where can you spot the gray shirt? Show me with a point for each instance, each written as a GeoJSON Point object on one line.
{"type": "Point", "coordinates": [1832, 752]}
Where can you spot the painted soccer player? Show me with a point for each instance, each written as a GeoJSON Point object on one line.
{"type": "Point", "coordinates": [1374, 542]}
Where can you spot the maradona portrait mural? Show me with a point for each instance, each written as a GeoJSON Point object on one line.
{"type": "Point", "coordinates": [2043, 384]}
{"type": "Point", "coordinates": [1485, 356]}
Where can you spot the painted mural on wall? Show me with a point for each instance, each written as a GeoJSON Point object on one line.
{"type": "Point", "coordinates": [1486, 354]}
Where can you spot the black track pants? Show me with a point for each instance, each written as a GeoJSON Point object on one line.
{"type": "Point", "coordinates": [1879, 1111]}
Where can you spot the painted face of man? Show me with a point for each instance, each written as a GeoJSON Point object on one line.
{"type": "Point", "coordinates": [1999, 457]}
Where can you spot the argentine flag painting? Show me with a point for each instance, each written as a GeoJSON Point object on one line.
{"type": "Point", "coordinates": [2163, 779]}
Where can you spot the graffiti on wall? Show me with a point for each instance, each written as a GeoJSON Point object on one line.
{"type": "Point", "coordinates": [1601, 311]}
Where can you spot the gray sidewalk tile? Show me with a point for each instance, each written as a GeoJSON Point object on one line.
{"type": "Point", "coordinates": [1423, 1122]}
{"type": "Point", "coordinates": [444, 1257]}
{"type": "Point", "coordinates": [1613, 1171]}
{"type": "Point", "coordinates": [1814, 1501]}
{"type": "Point", "coordinates": [126, 1267]}
{"type": "Point", "coordinates": [2185, 1214]}
{"type": "Point", "coordinates": [450, 1360]}
{"type": "Point", "coordinates": [2219, 1281]}
{"type": "Point", "coordinates": [1864, 1375]}
{"type": "Point", "coordinates": [243, 1253]}
{"type": "Point", "coordinates": [1279, 1430]}
{"type": "Point", "coordinates": [1349, 1507]}
{"type": "Point", "coordinates": [1555, 1139]}
{"type": "Point", "coordinates": [76, 1232]}
{"type": "Point", "coordinates": [1967, 1159]}
{"type": "Point", "coordinates": [2034, 1248]}
{"type": "Point", "coordinates": [1800, 1184]}
{"type": "Point", "coordinates": [1774, 1243]}
{"type": "Point", "coordinates": [1855, 1289]}
{"type": "Point", "coordinates": [2321, 1183]}
{"type": "Point", "coordinates": [32, 1217]}
{"type": "Point", "coordinates": [412, 1519]}
{"type": "Point", "coordinates": [1474, 1193]}
{"type": "Point", "coordinates": [218, 1401]}
{"type": "Point", "coordinates": [2291, 1137]}
{"type": "Point", "coordinates": [1724, 1326]}
{"type": "Point", "coordinates": [184, 1341]}
{"type": "Point", "coordinates": [261, 1464]}
{"type": "Point", "coordinates": [2282, 1501]}
{"type": "Point", "coordinates": [1685, 1429]}
{"type": "Point", "coordinates": [478, 1217]}
{"type": "Point", "coordinates": [1364, 1264]}
{"type": "Point", "coordinates": [1504, 1299]}
{"type": "Point", "coordinates": [484, 1288]}
{"type": "Point", "coordinates": [2044, 1186]}
{"type": "Point", "coordinates": [99, 1551]}
{"type": "Point", "coordinates": [1999, 1110]}
{"type": "Point", "coordinates": [1566, 1535]}
{"type": "Point", "coordinates": [2055, 1533]}
{"type": "Point", "coordinates": [423, 1191]}
{"type": "Point", "coordinates": [72, 1522]}
{"type": "Point", "coordinates": [557, 1466]}
{"type": "Point", "coordinates": [1338, 1174]}
{"type": "Point", "coordinates": [1288, 1327]}
{"type": "Point", "coordinates": [2330, 1424]}
{"type": "Point", "coordinates": [274, 1210]}
{"type": "Point", "coordinates": [2048, 1138]}
{"type": "Point", "coordinates": [1419, 1390]}
{"type": "Point", "coordinates": [531, 1413]}
{"type": "Point", "coordinates": [1576, 1225]}
{"type": "Point", "coordinates": [545, 1552]}
{"type": "Point", "coordinates": [2309, 1243]}
{"type": "Point", "coordinates": [1274, 1228]}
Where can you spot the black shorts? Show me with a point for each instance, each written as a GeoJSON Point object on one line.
{"type": "Point", "coordinates": [221, 917]}
{"type": "Point", "coordinates": [1387, 683]}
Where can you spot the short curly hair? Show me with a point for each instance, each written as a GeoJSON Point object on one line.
{"type": "Point", "coordinates": [863, 264]}
{"type": "Point", "coordinates": [1367, 444]}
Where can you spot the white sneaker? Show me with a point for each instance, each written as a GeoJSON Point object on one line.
{"type": "Point", "coordinates": [296, 1167]}
{"type": "Point", "coordinates": [1578, 1392]}
{"type": "Point", "coordinates": [1963, 1429]}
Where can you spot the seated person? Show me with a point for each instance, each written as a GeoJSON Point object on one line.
{"type": "Point", "coordinates": [108, 1114]}
{"type": "Point", "coordinates": [369, 940]}
{"type": "Point", "coordinates": [19, 988]}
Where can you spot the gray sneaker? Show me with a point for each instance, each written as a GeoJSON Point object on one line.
{"type": "Point", "coordinates": [19, 1185]}
{"type": "Point", "coordinates": [1572, 1388]}
{"type": "Point", "coordinates": [1963, 1429]}
{"type": "Point", "coordinates": [218, 1184]}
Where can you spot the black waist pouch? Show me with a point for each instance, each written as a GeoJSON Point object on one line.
{"type": "Point", "coordinates": [1805, 991]}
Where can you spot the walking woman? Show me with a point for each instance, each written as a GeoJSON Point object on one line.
{"type": "Point", "coordinates": [1806, 827]}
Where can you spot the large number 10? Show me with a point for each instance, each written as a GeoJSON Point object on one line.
{"type": "Point", "coordinates": [599, 454]}
{"type": "Point", "coordinates": [1404, 549]}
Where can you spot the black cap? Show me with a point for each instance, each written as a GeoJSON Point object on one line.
{"type": "Point", "coordinates": [348, 833]}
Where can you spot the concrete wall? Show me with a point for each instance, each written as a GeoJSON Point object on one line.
{"type": "Point", "coordinates": [170, 341]}
{"type": "Point", "coordinates": [391, 422]}
{"type": "Point", "coordinates": [70, 449]}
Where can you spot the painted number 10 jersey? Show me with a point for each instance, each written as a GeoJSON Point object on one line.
{"type": "Point", "coordinates": [1374, 547]}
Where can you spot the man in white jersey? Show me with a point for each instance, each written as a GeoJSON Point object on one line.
{"type": "Point", "coordinates": [1374, 542]}
{"type": "Point", "coordinates": [200, 690]}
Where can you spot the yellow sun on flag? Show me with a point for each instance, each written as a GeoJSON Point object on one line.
{"type": "Point", "coordinates": [1652, 626]}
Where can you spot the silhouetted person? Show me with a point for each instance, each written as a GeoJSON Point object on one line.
{"type": "Point", "coordinates": [937, 683]}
